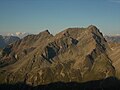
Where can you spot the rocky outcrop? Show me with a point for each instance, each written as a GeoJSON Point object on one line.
{"type": "Point", "coordinates": [73, 55]}
{"type": "Point", "coordinates": [6, 55]}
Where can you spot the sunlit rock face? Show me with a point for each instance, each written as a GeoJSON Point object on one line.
{"type": "Point", "coordinates": [73, 55]}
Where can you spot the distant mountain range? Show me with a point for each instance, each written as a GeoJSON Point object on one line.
{"type": "Point", "coordinates": [6, 40]}
{"type": "Point", "coordinates": [11, 38]}
{"type": "Point", "coordinates": [113, 38]}
{"type": "Point", "coordinates": [2, 42]}
{"type": "Point", "coordinates": [18, 34]}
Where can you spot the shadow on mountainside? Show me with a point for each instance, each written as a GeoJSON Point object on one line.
{"type": "Point", "coordinates": [110, 83]}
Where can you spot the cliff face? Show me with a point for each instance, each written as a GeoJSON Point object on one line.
{"type": "Point", "coordinates": [73, 55]}
{"type": "Point", "coordinates": [114, 53]}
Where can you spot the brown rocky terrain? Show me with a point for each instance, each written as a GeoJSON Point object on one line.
{"type": "Point", "coordinates": [73, 55]}
{"type": "Point", "coordinates": [114, 54]}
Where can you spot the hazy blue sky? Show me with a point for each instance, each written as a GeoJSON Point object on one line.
{"type": "Point", "coordinates": [34, 16]}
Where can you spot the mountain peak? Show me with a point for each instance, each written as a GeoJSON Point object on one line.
{"type": "Point", "coordinates": [75, 54]}
{"type": "Point", "coordinates": [92, 27]}
{"type": "Point", "coordinates": [45, 31]}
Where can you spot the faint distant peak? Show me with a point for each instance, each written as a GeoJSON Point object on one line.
{"type": "Point", "coordinates": [9, 34]}
{"type": "Point", "coordinates": [112, 35]}
{"type": "Point", "coordinates": [18, 34]}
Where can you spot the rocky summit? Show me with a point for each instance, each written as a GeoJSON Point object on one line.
{"type": "Point", "coordinates": [73, 55]}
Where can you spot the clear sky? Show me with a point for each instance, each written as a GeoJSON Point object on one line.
{"type": "Point", "coordinates": [34, 16]}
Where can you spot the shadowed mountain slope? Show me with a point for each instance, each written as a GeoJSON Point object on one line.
{"type": "Point", "coordinates": [110, 83]}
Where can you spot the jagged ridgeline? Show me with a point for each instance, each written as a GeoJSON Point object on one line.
{"type": "Point", "coordinates": [73, 55]}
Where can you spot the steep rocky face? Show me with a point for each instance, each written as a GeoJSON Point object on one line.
{"type": "Point", "coordinates": [115, 56]}
{"type": "Point", "coordinates": [6, 57]}
{"type": "Point", "coordinates": [23, 47]}
{"type": "Point", "coordinates": [114, 53]}
{"type": "Point", "coordinates": [73, 55]}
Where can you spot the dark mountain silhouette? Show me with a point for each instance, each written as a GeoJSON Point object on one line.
{"type": "Point", "coordinates": [110, 83]}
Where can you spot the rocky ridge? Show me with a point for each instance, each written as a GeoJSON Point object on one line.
{"type": "Point", "coordinates": [73, 55]}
